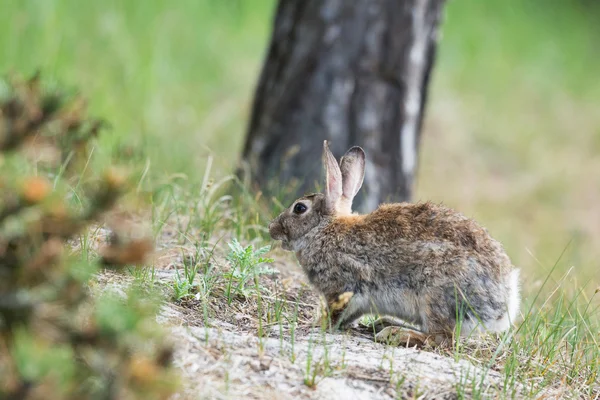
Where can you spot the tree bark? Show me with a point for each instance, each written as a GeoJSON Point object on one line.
{"type": "Point", "coordinates": [353, 72]}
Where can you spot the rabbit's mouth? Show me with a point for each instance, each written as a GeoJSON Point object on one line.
{"type": "Point", "coordinates": [278, 232]}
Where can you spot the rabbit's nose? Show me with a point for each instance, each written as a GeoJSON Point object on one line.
{"type": "Point", "coordinates": [275, 230]}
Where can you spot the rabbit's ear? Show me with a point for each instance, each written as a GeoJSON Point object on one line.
{"type": "Point", "coordinates": [333, 179]}
{"type": "Point", "coordinates": [352, 166]}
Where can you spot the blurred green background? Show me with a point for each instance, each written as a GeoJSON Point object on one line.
{"type": "Point", "coordinates": [512, 134]}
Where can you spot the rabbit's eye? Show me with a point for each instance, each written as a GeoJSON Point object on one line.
{"type": "Point", "coordinates": [300, 208]}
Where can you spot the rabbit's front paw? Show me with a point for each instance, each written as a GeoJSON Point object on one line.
{"type": "Point", "coordinates": [341, 302]}
{"type": "Point", "coordinates": [335, 309]}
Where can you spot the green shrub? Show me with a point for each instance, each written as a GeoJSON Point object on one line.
{"type": "Point", "coordinates": [57, 340]}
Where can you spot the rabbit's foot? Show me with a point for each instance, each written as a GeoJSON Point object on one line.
{"type": "Point", "coordinates": [396, 336]}
{"type": "Point", "coordinates": [383, 322]}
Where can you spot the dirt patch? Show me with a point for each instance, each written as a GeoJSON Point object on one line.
{"type": "Point", "coordinates": [224, 362]}
{"type": "Point", "coordinates": [268, 343]}
{"type": "Point", "coordinates": [228, 356]}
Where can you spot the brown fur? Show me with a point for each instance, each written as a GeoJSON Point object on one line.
{"type": "Point", "coordinates": [422, 222]}
{"type": "Point", "coordinates": [424, 263]}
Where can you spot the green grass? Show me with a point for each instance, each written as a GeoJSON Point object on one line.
{"type": "Point", "coordinates": [174, 80]}
{"type": "Point", "coordinates": [512, 139]}
{"type": "Point", "coordinates": [552, 351]}
{"type": "Point", "coordinates": [511, 136]}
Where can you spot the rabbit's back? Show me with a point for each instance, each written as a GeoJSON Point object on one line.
{"type": "Point", "coordinates": [423, 222]}
{"type": "Point", "coordinates": [422, 233]}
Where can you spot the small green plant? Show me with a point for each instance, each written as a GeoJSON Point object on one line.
{"type": "Point", "coordinates": [317, 370]}
{"type": "Point", "coordinates": [293, 326]}
{"type": "Point", "coordinates": [398, 382]}
{"type": "Point", "coordinates": [311, 371]}
{"type": "Point", "coordinates": [198, 277]}
{"type": "Point", "coordinates": [246, 264]}
{"type": "Point", "coordinates": [186, 286]}
{"type": "Point", "coordinates": [181, 287]}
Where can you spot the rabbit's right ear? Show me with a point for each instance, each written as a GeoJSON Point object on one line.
{"type": "Point", "coordinates": [352, 166]}
{"type": "Point", "coordinates": [333, 179]}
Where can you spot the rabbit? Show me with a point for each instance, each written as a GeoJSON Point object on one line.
{"type": "Point", "coordinates": [423, 263]}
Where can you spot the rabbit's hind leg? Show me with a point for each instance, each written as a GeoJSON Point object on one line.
{"type": "Point", "coordinates": [383, 322]}
{"type": "Point", "coordinates": [396, 336]}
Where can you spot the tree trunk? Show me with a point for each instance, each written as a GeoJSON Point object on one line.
{"type": "Point", "coordinates": [353, 72]}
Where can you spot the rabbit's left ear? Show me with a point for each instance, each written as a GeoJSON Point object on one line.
{"type": "Point", "coordinates": [333, 179]}
{"type": "Point", "coordinates": [352, 166]}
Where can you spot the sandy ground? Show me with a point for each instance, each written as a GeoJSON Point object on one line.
{"type": "Point", "coordinates": [230, 355]}
{"type": "Point", "coordinates": [223, 363]}
{"type": "Point", "coordinates": [230, 360]}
